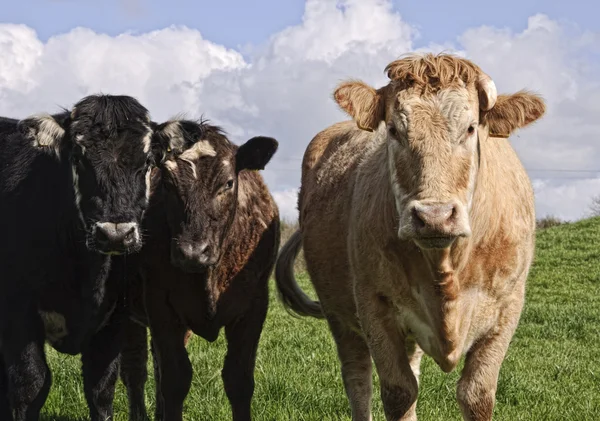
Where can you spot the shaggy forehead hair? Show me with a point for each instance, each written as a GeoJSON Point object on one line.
{"type": "Point", "coordinates": [432, 72]}
{"type": "Point", "coordinates": [111, 112]}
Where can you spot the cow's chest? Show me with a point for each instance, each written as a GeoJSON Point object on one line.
{"type": "Point", "coordinates": [206, 310]}
{"type": "Point", "coordinates": [416, 325]}
{"type": "Point", "coordinates": [66, 315]}
{"type": "Point", "coordinates": [445, 330]}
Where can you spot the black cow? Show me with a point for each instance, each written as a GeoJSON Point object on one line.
{"type": "Point", "coordinates": [73, 190]}
{"type": "Point", "coordinates": [213, 236]}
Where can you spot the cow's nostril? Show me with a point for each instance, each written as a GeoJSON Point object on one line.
{"type": "Point", "coordinates": [130, 235]}
{"type": "Point", "coordinates": [419, 222]}
{"type": "Point", "coordinates": [101, 235]}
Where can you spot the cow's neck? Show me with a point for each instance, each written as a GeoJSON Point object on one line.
{"type": "Point", "coordinates": [250, 222]}
{"type": "Point", "coordinates": [447, 272]}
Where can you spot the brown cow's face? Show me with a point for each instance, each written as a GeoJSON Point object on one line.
{"type": "Point", "coordinates": [431, 137]}
{"type": "Point", "coordinates": [429, 118]}
{"type": "Point", "coordinates": [432, 162]}
{"type": "Point", "coordinates": [201, 188]}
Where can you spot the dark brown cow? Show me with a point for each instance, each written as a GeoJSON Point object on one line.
{"type": "Point", "coordinates": [213, 236]}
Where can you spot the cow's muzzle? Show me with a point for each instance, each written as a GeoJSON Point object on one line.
{"type": "Point", "coordinates": [193, 257]}
{"type": "Point", "coordinates": [433, 224]}
{"type": "Point", "coordinates": [119, 238]}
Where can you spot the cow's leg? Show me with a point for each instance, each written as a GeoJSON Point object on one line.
{"type": "Point", "coordinates": [238, 369]}
{"type": "Point", "coordinates": [159, 410]}
{"type": "Point", "coordinates": [134, 370]}
{"type": "Point", "coordinates": [5, 411]}
{"type": "Point", "coordinates": [27, 371]}
{"type": "Point", "coordinates": [175, 369]}
{"type": "Point", "coordinates": [399, 386]}
{"type": "Point", "coordinates": [476, 390]}
{"type": "Point", "coordinates": [415, 354]}
{"type": "Point", "coordinates": [355, 359]}
{"type": "Point", "coordinates": [100, 363]}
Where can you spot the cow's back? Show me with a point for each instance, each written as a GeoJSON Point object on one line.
{"type": "Point", "coordinates": [329, 169]}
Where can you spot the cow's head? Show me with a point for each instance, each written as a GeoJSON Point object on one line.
{"type": "Point", "coordinates": [200, 180]}
{"type": "Point", "coordinates": [431, 118]}
{"type": "Point", "coordinates": [106, 142]}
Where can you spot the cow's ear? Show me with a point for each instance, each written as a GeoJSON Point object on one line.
{"type": "Point", "coordinates": [45, 132]}
{"type": "Point", "coordinates": [168, 140]}
{"type": "Point", "coordinates": [255, 154]}
{"type": "Point", "coordinates": [361, 102]}
{"type": "Point", "coordinates": [512, 112]}
{"type": "Point", "coordinates": [173, 137]}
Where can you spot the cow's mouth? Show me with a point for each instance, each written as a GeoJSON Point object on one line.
{"type": "Point", "coordinates": [435, 242]}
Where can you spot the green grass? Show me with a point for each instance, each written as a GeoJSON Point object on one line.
{"type": "Point", "coordinates": [552, 371]}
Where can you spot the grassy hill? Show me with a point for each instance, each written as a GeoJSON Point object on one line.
{"type": "Point", "coordinates": [552, 371]}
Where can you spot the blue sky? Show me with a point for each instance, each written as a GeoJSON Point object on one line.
{"type": "Point", "coordinates": [235, 23]}
{"type": "Point", "coordinates": [283, 87]}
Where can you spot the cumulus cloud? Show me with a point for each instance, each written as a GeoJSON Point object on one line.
{"type": "Point", "coordinates": [283, 87]}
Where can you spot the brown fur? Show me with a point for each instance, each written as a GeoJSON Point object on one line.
{"type": "Point", "coordinates": [380, 289]}
{"type": "Point", "coordinates": [361, 101]}
{"type": "Point", "coordinates": [512, 112]}
{"type": "Point", "coordinates": [231, 294]}
{"type": "Point", "coordinates": [433, 72]}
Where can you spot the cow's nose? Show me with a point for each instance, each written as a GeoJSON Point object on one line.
{"type": "Point", "coordinates": [437, 217]}
{"type": "Point", "coordinates": [193, 257]}
{"type": "Point", "coordinates": [116, 238]}
{"type": "Point", "coordinates": [204, 254]}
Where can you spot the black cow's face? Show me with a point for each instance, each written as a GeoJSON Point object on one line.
{"type": "Point", "coordinates": [200, 184]}
{"type": "Point", "coordinates": [110, 153]}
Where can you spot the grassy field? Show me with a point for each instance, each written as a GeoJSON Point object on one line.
{"type": "Point", "coordinates": [552, 371]}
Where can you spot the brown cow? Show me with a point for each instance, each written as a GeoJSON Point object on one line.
{"type": "Point", "coordinates": [418, 231]}
{"type": "Point", "coordinates": [213, 236]}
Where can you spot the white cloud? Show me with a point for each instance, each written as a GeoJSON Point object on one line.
{"type": "Point", "coordinates": [283, 88]}
{"type": "Point", "coordinates": [287, 200]}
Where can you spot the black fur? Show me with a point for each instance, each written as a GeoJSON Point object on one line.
{"type": "Point", "coordinates": [49, 259]}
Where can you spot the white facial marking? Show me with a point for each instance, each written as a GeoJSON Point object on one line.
{"type": "Point", "coordinates": [148, 183]}
{"type": "Point", "coordinates": [147, 140]}
{"type": "Point", "coordinates": [193, 167]}
{"type": "Point", "coordinates": [77, 193]}
{"type": "Point", "coordinates": [55, 326]}
{"type": "Point", "coordinates": [201, 148]}
{"type": "Point", "coordinates": [78, 140]}
{"type": "Point", "coordinates": [171, 165]}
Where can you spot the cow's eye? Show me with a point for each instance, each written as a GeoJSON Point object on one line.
{"type": "Point", "coordinates": [471, 130]}
{"type": "Point", "coordinates": [393, 131]}
{"type": "Point", "coordinates": [229, 185]}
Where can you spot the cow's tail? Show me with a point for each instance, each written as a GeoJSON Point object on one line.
{"type": "Point", "coordinates": [290, 294]}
